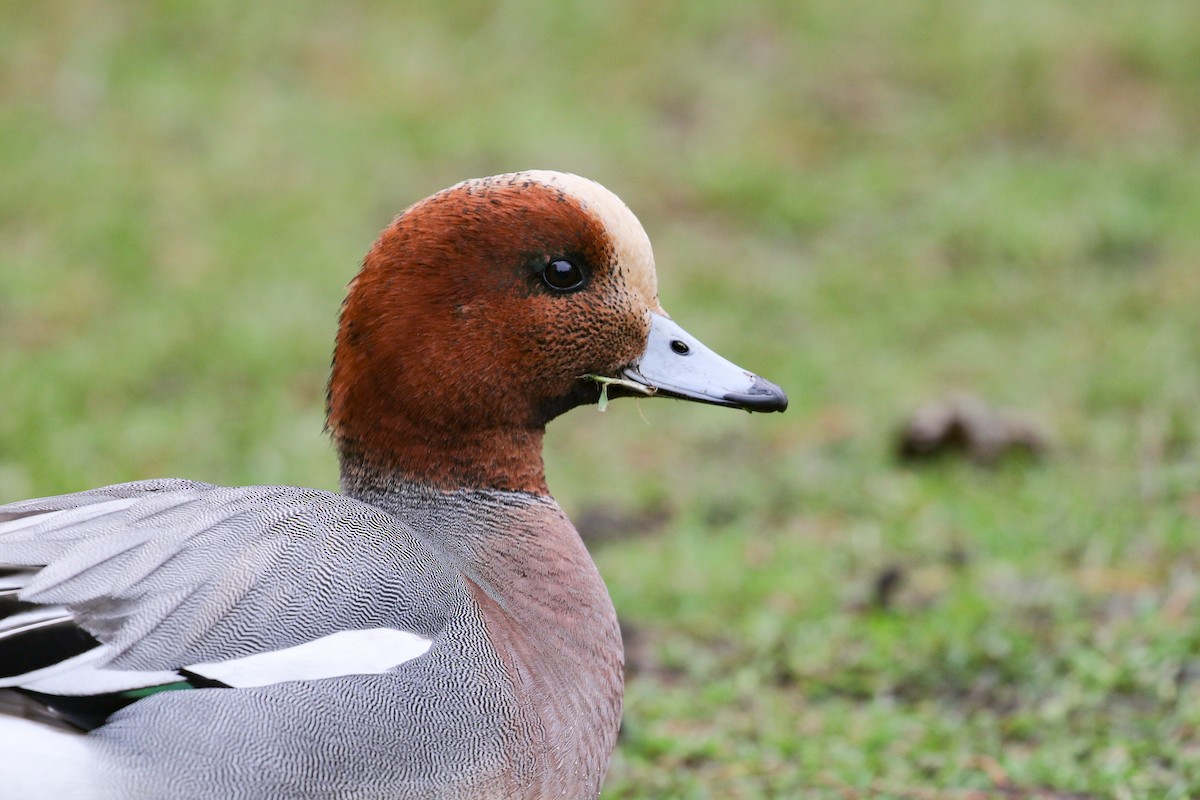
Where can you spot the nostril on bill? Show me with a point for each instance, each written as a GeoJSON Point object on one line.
{"type": "Point", "coordinates": [680, 347]}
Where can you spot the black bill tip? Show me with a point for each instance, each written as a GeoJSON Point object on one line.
{"type": "Point", "coordinates": [762, 396]}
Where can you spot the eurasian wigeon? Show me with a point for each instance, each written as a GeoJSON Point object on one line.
{"type": "Point", "coordinates": [438, 629]}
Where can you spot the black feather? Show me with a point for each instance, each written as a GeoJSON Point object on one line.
{"type": "Point", "coordinates": [11, 604]}
{"type": "Point", "coordinates": [88, 712]}
{"type": "Point", "coordinates": [42, 644]}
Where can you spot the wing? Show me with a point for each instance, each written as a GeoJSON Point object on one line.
{"type": "Point", "coordinates": [168, 584]}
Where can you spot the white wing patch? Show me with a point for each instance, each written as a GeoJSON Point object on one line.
{"type": "Point", "coordinates": [80, 676]}
{"type": "Point", "coordinates": [361, 652]}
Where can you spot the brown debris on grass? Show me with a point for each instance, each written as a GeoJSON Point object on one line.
{"type": "Point", "coordinates": [965, 426]}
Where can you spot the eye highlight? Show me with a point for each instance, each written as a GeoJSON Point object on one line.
{"type": "Point", "coordinates": [562, 275]}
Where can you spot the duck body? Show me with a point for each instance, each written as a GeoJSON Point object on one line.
{"type": "Point", "coordinates": [437, 629]}
{"type": "Point", "coordinates": [474, 711]}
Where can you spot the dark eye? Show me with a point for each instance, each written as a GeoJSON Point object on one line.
{"type": "Point", "coordinates": [562, 275]}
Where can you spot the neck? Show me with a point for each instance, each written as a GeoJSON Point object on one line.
{"type": "Point", "coordinates": [507, 459]}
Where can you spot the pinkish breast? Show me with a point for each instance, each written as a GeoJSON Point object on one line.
{"type": "Point", "coordinates": [551, 622]}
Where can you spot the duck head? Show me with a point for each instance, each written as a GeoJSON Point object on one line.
{"type": "Point", "coordinates": [488, 309]}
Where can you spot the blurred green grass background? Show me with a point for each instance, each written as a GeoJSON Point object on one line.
{"type": "Point", "coordinates": [869, 202]}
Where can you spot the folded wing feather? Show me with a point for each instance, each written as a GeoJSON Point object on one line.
{"type": "Point", "coordinates": [244, 586]}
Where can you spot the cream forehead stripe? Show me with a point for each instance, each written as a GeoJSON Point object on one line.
{"type": "Point", "coordinates": [635, 257]}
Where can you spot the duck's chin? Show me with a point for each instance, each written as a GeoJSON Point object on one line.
{"type": "Point", "coordinates": [583, 392]}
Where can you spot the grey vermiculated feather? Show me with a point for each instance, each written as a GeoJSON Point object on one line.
{"type": "Point", "coordinates": [160, 581]}
{"type": "Point", "coordinates": [150, 580]}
